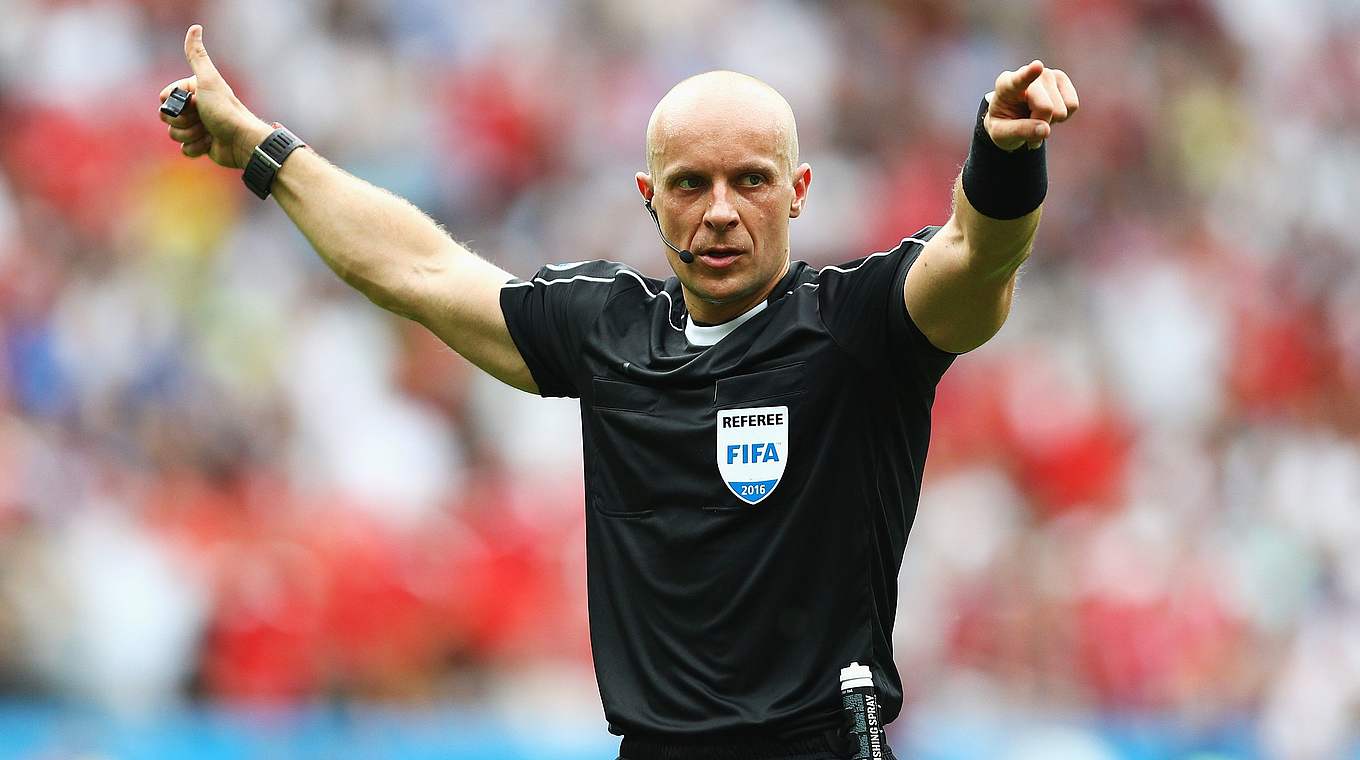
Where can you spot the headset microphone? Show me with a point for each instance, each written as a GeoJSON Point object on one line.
{"type": "Point", "coordinates": [684, 255]}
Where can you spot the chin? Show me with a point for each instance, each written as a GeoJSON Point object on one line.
{"type": "Point", "coordinates": [719, 296]}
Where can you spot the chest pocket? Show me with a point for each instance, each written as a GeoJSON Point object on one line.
{"type": "Point", "coordinates": [756, 388]}
{"type": "Point", "coordinates": [655, 449]}
{"type": "Point", "coordinates": [752, 452]}
{"type": "Point", "coordinates": [620, 396]}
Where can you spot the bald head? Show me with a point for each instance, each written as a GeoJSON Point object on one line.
{"type": "Point", "coordinates": [723, 180]}
{"type": "Point", "coordinates": [716, 100]}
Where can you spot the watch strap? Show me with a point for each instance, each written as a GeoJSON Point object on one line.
{"type": "Point", "coordinates": [267, 158]}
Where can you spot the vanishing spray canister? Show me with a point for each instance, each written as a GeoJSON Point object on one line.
{"type": "Point", "coordinates": [861, 701]}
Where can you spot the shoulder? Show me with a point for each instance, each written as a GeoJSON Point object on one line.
{"type": "Point", "coordinates": [908, 248]}
{"type": "Point", "coordinates": [596, 271]}
{"type": "Point", "coordinates": [607, 277]}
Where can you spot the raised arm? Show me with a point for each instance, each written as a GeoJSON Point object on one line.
{"type": "Point", "coordinates": [959, 291]}
{"type": "Point", "coordinates": [377, 242]}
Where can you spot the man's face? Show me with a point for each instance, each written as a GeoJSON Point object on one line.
{"type": "Point", "coordinates": [723, 188]}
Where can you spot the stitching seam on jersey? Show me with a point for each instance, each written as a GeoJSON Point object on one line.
{"type": "Point", "coordinates": [670, 304]}
{"type": "Point", "coordinates": [838, 270]}
{"type": "Point", "coordinates": [566, 266]}
{"type": "Point", "coordinates": [590, 278]}
{"type": "Point", "coordinates": [834, 338]}
{"type": "Point", "coordinates": [586, 277]}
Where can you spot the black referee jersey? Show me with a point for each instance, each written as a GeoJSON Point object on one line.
{"type": "Point", "coordinates": [748, 501]}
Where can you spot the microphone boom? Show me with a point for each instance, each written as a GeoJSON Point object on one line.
{"type": "Point", "coordinates": [684, 254]}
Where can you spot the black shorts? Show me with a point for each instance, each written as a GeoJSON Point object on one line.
{"type": "Point", "coordinates": [816, 747]}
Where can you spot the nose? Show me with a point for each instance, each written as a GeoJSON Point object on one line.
{"type": "Point", "coordinates": [721, 215]}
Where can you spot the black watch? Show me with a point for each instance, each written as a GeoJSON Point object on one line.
{"type": "Point", "coordinates": [266, 159]}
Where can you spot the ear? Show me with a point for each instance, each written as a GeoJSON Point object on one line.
{"type": "Point", "coordinates": [802, 177]}
{"type": "Point", "coordinates": [644, 183]}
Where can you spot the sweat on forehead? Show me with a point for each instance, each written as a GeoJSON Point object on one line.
{"type": "Point", "coordinates": [727, 99]}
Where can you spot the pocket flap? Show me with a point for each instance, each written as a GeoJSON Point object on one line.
{"type": "Point", "coordinates": [623, 396]}
{"type": "Point", "coordinates": [759, 386]}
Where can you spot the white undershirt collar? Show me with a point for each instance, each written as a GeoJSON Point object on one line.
{"type": "Point", "coordinates": [700, 335]}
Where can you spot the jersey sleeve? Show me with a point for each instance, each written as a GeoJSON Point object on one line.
{"type": "Point", "coordinates": [550, 316]}
{"type": "Point", "coordinates": [863, 307]}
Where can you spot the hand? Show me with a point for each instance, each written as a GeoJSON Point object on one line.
{"type": "Point", "coordinates": [214, 122]}
{"type": "Point", "coordinates": [1026, 104]}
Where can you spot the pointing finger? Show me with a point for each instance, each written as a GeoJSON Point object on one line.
{"type": "Point", "coordinates": [197, 55]}
{"type": "Point", "coordinates": [1011, 85]}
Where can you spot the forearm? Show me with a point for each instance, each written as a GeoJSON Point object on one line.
{"type": "Point", "coordinates": [403, 261]}
{"type": "Point", "coordinates": [995, 248]}
{"type": "Point", "coordinates": [960, 292]}
{"type": "Point", "coordinates": [377, 242]}
{"type": "Point", "coordinates": [380, 244]}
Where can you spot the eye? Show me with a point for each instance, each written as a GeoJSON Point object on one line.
{"type": "Point", "coordinates": [751, 179]}
{"type": "Point", "coordinates": [687, 183]}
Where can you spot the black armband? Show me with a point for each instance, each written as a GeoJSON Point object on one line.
{"type": "Point", "coordinates": [1001, 184]}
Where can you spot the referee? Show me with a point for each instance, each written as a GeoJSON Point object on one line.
{"type": "Point", "coordinates": [754, 429]}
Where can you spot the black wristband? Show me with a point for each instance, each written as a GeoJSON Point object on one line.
{"type": "Point", "coordinates": [267, 158]}
{"type": "Point", "coordinates": [1001, 184]}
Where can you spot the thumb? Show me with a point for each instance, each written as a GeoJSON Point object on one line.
{"type": "Point", "coordinates": [1009, 134]}
{"type": "Point", "coordinates": [197, 56]}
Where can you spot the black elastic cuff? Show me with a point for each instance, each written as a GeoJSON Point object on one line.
{"type": "Point", "coordinates": [1003, 185]}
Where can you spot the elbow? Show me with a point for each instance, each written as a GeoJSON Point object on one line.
{"type": "Point", "coordinates": [962, 337]}
{"type": "Point", "coordinates": [968, 316]}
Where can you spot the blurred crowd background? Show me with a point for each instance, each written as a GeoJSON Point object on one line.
{"type": "Point", "coordinates": [229, 483]}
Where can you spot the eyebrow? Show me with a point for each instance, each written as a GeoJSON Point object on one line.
{"type": "Point", "coordinates": [747, 167]}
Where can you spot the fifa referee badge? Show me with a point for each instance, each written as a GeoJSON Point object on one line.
{"type": "Point", "coordinates": [753, 445]}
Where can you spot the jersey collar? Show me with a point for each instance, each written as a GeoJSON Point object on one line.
{"type": "Point", "coordinates": [700, 335]}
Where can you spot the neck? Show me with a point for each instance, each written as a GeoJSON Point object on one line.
{"type": "Point", "coordinates": [710, 313]}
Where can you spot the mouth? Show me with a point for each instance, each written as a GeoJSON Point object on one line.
{"type": "Point", "coordinates": [719, 256]}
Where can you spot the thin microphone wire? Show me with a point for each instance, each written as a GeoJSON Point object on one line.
{"type": "Point", "coordinates": [684, 255]}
